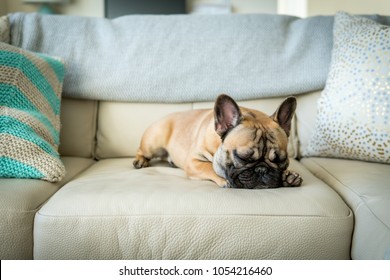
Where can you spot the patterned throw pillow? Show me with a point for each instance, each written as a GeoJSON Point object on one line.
{"type": "Point", "coordinates": [30, 96]}
{"type": "Point", "coordinates": [354, 108]}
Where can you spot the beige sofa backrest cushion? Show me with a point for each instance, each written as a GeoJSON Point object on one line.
{"type": "Point", "coordinates": [78, 127]}
{"type": "Point", "coordinates": [117, 127]}
{"type": "Point", "coordinates": [306, 118]}
{"type": "Point", "coordinates": [121, 125]}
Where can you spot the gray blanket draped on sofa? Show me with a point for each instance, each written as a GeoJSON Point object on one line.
{"type": "Point", "coordinates": [163, 58]}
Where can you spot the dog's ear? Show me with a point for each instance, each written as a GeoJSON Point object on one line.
{"type": "Point", "coordinates": [227, 114]}
{"type": "Point", "coordinates": [284, 114]}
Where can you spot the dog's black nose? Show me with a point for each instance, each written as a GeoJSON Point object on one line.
{"type": "Point", "coordinates": [261, 170]}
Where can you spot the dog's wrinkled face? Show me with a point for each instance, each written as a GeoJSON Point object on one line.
{"type": "Point", "coordinates": [253, 153]}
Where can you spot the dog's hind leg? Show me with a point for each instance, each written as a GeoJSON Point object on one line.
{"type": "Point", "coordinates": [140, 160]}
{"type": "Point", "coordinates": [153, 145]}
{"type": "Point", "coordinates": [143, 157]}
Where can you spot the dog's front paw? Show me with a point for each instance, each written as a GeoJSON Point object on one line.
{"type": "Point", "coordinates": [141, 162]}
{"type": "Point", "coordinates": [223, 183]}
{"type": "Point", "coordinates": [291, 179]}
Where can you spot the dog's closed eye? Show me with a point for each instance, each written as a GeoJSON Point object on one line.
{"type": "Point", "coordinates": [277, 156]}
{"type": "Point", "coordinates": [243, 157]}
{"type": "Point", "coordinates": [272, 155]}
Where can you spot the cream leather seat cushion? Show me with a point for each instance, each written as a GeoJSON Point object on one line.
{"type": "Point", "coordinates": [365, 187]}
{"type": "Point", "coordinates": [111, 212]}
{"type": "Point", "coordinates": [20, 199]}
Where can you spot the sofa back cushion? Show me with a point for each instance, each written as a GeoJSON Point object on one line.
{"type": "Point", "coordinates": [306, 118]}
{"type": "Point", "coordinates": [78, 127]}
{"type": "Point", "coordinates": [121, 125]}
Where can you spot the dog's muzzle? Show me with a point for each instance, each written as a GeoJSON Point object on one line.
{"type": "Point", "coordinates": [259, 176]}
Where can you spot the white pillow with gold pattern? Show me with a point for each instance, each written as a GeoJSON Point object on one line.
{"type": "Point", "coordinates": [354, 108]}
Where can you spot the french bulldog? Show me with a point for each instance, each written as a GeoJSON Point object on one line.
{"type": "Point", "coordinates": [233, 146]}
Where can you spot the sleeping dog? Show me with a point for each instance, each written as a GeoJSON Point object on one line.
{"type": "Point", "coordinates": [233, 146]}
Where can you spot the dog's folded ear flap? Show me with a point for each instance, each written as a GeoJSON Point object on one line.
{"type": "Point", "coordinates": [227, 114]}
{"type": "Point", "coordinates": [284, 114]}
